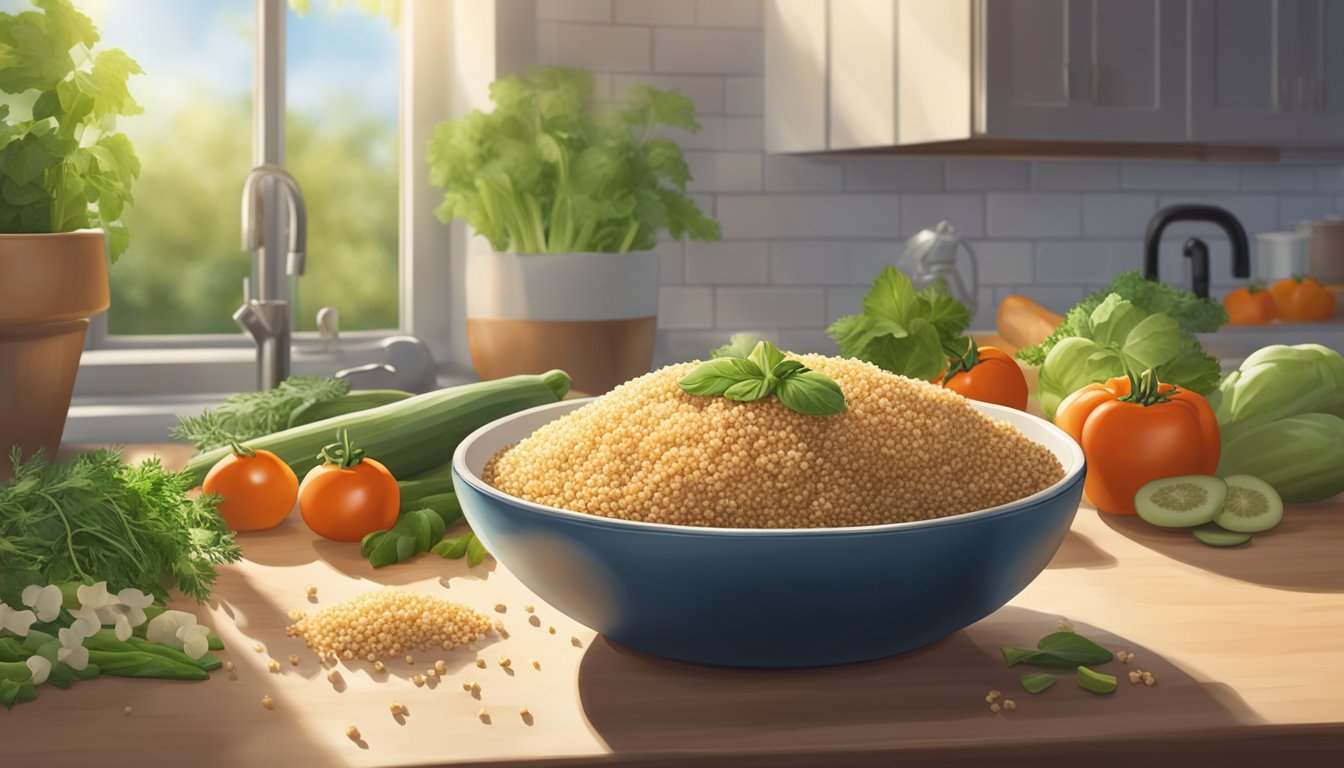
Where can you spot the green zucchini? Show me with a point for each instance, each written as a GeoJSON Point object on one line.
{"type": "Point", "coordinates": [413, 491]}
{"type": "Point", "coordinates": [352, 402]}
{"type": "Point", "coordinates": [408, 437]}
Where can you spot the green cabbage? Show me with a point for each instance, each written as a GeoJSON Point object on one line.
{"type": "Point", "coordinates": [1280, 381]}
{"type": "Point", "coordinates": [1301, 456]}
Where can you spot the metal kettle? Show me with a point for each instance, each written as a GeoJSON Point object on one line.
{"type": "Point", "coordinates": [932, 255]}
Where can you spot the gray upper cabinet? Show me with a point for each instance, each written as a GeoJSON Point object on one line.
{"type": "Point", "coordinates": [1083, 70]}
{"type": "Point", "coordinates": [1245, 83]}
{"type": "Point", "coordinates": [1321, 60]}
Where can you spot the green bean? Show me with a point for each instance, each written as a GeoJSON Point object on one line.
{"type": "Point", "coordinates": [16, 671]}
{"type": "Point", "coordinates": [145, 664]}
{"type": "Point", "coordinates": [12, 693]}
{"type": "Point", "coordinates": [12, 650]}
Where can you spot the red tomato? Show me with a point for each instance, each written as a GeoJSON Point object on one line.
{"type": "Point", "coordinates": [1131, 440]}
{"type": "Point", "coordinates": [257, 489]}
{"type": "Point", "coordinates": [349, 496]}
{"type": "Point", "coordinates": [989, 375]}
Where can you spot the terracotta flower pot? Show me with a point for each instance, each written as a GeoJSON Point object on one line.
{"type": "Point", "coordinates": [592, 314]}
{"type": "Point", "coordinates": [50, 285]}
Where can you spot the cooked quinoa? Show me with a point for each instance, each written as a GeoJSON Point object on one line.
{"type": "Point", "coordinates": [902, 450]}
{"type": "Point", "coordinates": [389, 623]}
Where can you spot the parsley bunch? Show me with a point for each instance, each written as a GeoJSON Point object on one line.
{"type": "Point", "coordinates": [97, 519]}
{"type": "Point", "coordinates": [62, 166]}
{"type": "Point", "coordinates": [246, 415]}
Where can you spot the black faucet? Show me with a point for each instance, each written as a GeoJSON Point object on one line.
{"type": "Point", "coordinates": [1195, 249]}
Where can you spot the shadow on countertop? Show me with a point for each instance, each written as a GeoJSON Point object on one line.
{"type": "Point", "coordinates": [1303, 553]}
{"type": "Point", "coordinates": [930, 698]}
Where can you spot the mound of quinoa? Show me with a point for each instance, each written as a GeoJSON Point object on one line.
{"type": "Point", "coordinates": [902, 450]}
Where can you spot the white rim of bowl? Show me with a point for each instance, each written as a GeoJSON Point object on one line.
{"type": "Point", "coordinates": [989, 409]}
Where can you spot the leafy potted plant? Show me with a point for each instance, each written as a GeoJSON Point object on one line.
{"type": "Point", "coordinates": [65, 175]}
{"type": "Point", "coordinates": [571, 199]}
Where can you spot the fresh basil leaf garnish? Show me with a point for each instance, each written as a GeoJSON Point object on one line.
{"type": "Point", "coordinates": [762, 373]}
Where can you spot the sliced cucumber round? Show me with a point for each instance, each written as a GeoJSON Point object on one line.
{"type": "Point", "coordinates": [1180, 502]}
{"type": "Point", "coordinates": [1251, 505]}
{"type": "Point", "coordinates": [1214, 536]}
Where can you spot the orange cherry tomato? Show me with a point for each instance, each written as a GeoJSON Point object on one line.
{"type": "Point", "coordinates": [1129, 440]}
{"type": "Point", "coordinates": [989, 375]}
{"type": "Point", "coordinates": [1251, 305]}
{"type": "Point", "coordinates": [257, 489]}
{"type": "Point", "coordinates": [348, 496]}
{"type": "Point", "coordinates": [1302, 300]}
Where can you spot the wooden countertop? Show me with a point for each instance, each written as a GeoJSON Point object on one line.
{"type": "Point", "coordinates": [1247, 645]}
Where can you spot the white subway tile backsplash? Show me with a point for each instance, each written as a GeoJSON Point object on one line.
{"type": "Point", "coordinates": [965, 212]}
{"type": "Point", "coordinates": [726, 262]}
{"type": "Point", "coordinates": [1296, 209]}
{"type": "Point", "coordinates": [807, 342]}
{"type": "Point", "coordinates": [739, 308]}
{"type": "Point", "coordinates": [868, 258]}
{"type": "Point", "coordinates": [1075, 176]}
{"type": "Point", "coordinates": [1179, 176]}
{"type": "Point", "coordinates": [1330, 179]}
{"type": "Point", "coordinates": [894, 174]}
{"type": "Point", "coordinates": [599, 48]}
{"type": "Point", "coordinates": [1117, 214]}
{"type": "Point", "coordinates": [574, 10]}
{"type": "Point", "coordinates": [683, 346]}
{"type": "Point", "coordinates": [653, 12]}
{"type": "Point", "coordinates": [1278, 178]}
{"type": "Point", "coordinates": [728, 13]}
{"type": "Point", "coordinates": [987, 174]}
{"type": "Point", "coordinates": [683, 307]}
{"type": "Point", "coordinates": [724, 171]}
{"type": "Point", "coordinates": [1004, 261]}
{"type": "Point", "coordinates": [744, 96]}
{"type": "Point", "coordinates": [1056, 298]}
{"type": "Point", "coordinates": [733, 133]}
{"type": "Point", "coordinates": [808, 216]}
{"type": "Point", "coordinates": [710, 51]}
{"type": "Point", "coordinates": [1082, 261]}
{"type": "Point", "coordinates": [791, 173]}
{"type": "Point", "coordinates": [1034, 214]}
{"type": "Point", "coordinates": [705, 92]}
{"type": "Point", "coordinates": [809, 262]}
{"type": "Point", "coordinates": [844, 301]}
{"type": "Point", "coordinates": [671, 261]}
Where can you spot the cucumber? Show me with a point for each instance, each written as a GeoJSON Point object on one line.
{"type": "Point", "coordinates": [408, 437]}
{"type": "Point", "coordinates": [414, 492]}
{"type": "Point", "coordinates": [1252, 505]}
{"type": "Point", "coordinates": [352, 402]}
{"type": "Point", "coordinates": [1180, 502]}
{"type": "Point", "coordinates": [1214, 536]}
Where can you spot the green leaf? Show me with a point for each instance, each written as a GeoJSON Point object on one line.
{"type": "Point", "coordinates": [786, 368]}
{"type": "Point", "coordinates": [1112, 321]}
{"type": "Point", "coordinates": [948, 315]}
{"type": "Point", "coordinates": [454, 548]}
{"type": "Point", "coordinates": [1060, 649]}
{"type": "Point", "coordinates": [1035, 682]}
{"type": "Point", "coordinates": [739, 345]}
{"type": "Point", "coordinates": [1095, 682]}
{"type": "Point", "coordinates": [1154, 341]}
{"type": "Point", "coordinates": [751, 389]}
{"type": "Point", "coordinates": [918, 355]}
{"type": "Point", "coordinates": [475, 551]}
{"type": "Point", "coordinates": [812, 393]}
{"type": "Point", "coordinates": [891, 297]}
{"type": "Point", "coordinates": [766, 356]}
{"type": "Point", "coordinates": [714, 377]}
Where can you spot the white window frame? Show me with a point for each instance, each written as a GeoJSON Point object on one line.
{"type": "Point", "coordinates": [130, 385]}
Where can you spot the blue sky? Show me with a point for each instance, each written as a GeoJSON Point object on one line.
{"type": "Point", "coordinates": [188, 45]}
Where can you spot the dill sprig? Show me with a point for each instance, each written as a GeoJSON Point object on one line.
{"type": "Point", "coordinates": [95, 519]}
{"type": "Point", "coordinates": [252, 414]}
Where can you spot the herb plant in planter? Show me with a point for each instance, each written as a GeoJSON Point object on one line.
{"type": "Point", "coordinates": [64, 171]}
{"type": "Point", "coordinates": [571, 199]}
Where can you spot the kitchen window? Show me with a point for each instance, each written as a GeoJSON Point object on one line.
{"type": "Point", "coordinates": [353, 101]}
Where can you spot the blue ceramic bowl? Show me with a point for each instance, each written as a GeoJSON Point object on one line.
{"type": "Point", "coordinates": [769, 598]}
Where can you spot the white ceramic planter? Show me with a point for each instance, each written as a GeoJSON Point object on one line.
{"type": "Point", "coordinates": [592, 314]}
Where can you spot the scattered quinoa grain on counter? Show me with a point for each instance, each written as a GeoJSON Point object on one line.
{"type": "Point", "coordinates": [530, 608]}
{"type": "Point", "coordinates": [229, 666]}
{"type": "Point", "coordinates": [647, 451]}
{"type": "Point", "coordinates": [480, 663]}
{"type": "Point", "coordinates": [267, 702]}
{"type": "Point", "coordinates": [294, 659]}
{"type": "Point", "coordinates": [576, 642]}
{"type": "Point", "coordinates": [397, 709]}
{"type": "Point", "coordinates": [551, 630]}
{"type": "Point", "coordinates": [334, 676]}
{"type": "Point", "coordinates": [501, 608]}
{"type": "Point", "coordinates": [259, 648]}
{"type": "Point", "coordinates": [992, 696]}
{"type": "Point", "coordinates": [431, 673]}
{"type": "Point", "coordinates": [419, 681]}
{"type": "Point", "coordinates": [1009, 705]}
{"type": "Point", "coordinates": [440, 667]}
{"type": "Point", "coordinates": [312, 591]}
{"type": "Point", "coordinates": [524, 711]}
{"type": "Point", "coordinates": [505, 661]}
{"type": "Point", "coordinates": [378, 666]}
{"type": "Point", "coordinates": [352, 733]}
{"type": "Point", "coordinates": [995, 708]}
{"type": "Point", "coordinates": [273, 665]}
{"type": "Point", "coordinates": [536, 664]}
{"type": "Point", "coordinates": [127, 711]}
{"type": "Point", "coordinates": [389, 623]}
{"type": "Point", "coordinates": [483, 715]}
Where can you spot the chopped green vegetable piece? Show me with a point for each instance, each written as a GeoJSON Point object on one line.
{"type": "Point", "coordinates": [1060, 649]}
{"type": "Point", "coordinates": [1215, 536]}
{"type": "Point", "coordinates": [1035, 682]}
{"type": "Point", "coordinates": [475, 552]}
{"type": "Point", "coordinates": [1095, 682]}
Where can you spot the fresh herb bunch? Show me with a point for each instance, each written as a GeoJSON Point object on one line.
{"type": "Point", "coordinates": [62, 165]}
{"type": "Point", "coordinates": [547, 172]}
{"type": "Point", "coordinates": [739, 345]}
{"type": "Point", "coordinates": [766, 372]}
{"type": "Point", "coordinates": [252, 414]}
{"type": "Point", "coordinates": [904, 331]}
{"type": "Point", "coordinates": [1195, 315]}
{"type": "Point", "coordinates": [97, 519]}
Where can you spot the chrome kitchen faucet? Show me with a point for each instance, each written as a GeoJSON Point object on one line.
{"type": "Point", "coordinates": [266, 315]}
